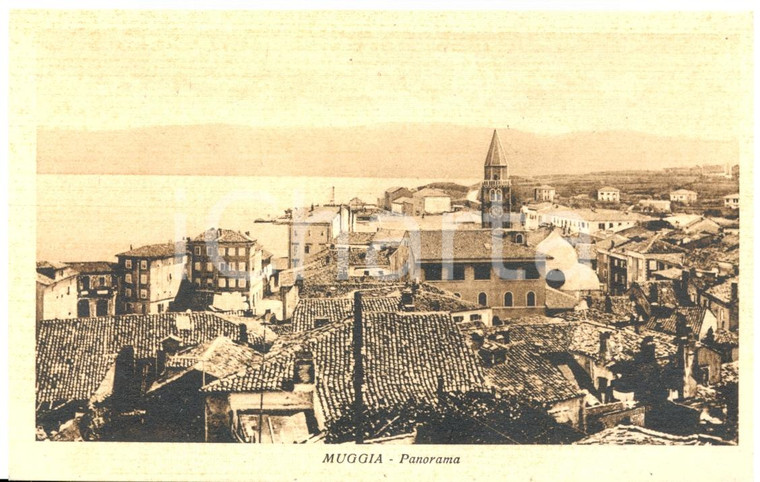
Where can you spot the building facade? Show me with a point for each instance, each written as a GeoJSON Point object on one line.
{"type": "Point", "coordinates": [97, 288]}
{"type": "Point", "coordinates": [731, 201]}
{"type": "Point", "coordinates": [314, 230]}
{"type": "Point", "coordinates": [56, 291]}
{"type": "Point", "coordinates": [431, 201]}
{"type": "Point", "coordinates": [683, 196]}
{"type": "Point", "coordinates": [544, 193]}
{"type": "Point", "coordinates": [608, 194]}
{"type": "Point", "coordinates": [496, 190]}
{"type": "Point", "coordinates": [150, 277]}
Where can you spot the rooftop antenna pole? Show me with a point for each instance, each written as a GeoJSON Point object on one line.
{"type": "Point", "coordinates": [358, 370]}
{"type": "Point", "coordinates": [332, 196]}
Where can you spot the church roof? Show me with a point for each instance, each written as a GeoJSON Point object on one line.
{"type": "Point", "coordinates": [496, 155]}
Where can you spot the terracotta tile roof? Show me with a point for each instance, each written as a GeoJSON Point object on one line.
{"type": "Point", "coordinates": [722, 291]}
{"type": "Point", "coordinates": [694, 315]}
{"type": "Point", "coordinates": [223, 236]}
{"type": "Point", "coordinates": [333, 310]}
{"type": "Point", "coordinates": [429, 192]}
{"type": "Point", "coordinates": [529, 376]}
{"type": "Point", "coordinates": [469, 244]}
{"type": "Point", "coordinates": [87, 267]}
{"type": "Point", "coordinates": [584, 338]}
{"type": "Point", "coordinates": [496, 155]}
{"type": "Point", "coordinates": [662, 292]}
{"type": "Point", "coordinates": [165, 250]}
{"type": "Point", "coordinates": [73, 355]}
{"type": "Point", "coordinates": [725, 337]}
{"type": "Point", "coordinates": [556, 299]}
{"type": "Point", "coordinates": [634, 435]}
{"type": "Point", "coordinates": [219, 358]}
{"type": "Point", "coordinates": [369, 257]}
{"type": "Point", "coordinates": [404, 355]}
{"type": "Point", "coordinates": [318, 215]}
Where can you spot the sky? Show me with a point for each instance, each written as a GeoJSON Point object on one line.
{"type": "Point", "coordinates": [673, 74]}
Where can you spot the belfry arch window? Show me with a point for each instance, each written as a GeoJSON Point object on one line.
{"type": "Point", "coordinates": [495, 195]}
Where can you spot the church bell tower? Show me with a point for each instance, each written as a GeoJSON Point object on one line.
{"type": "Point", "coordinates": [496, 191]}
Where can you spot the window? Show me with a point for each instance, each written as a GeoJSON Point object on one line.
{"type": "Point", "coordinates": [143, 279]}
{"type": "Point", "coordinates": [208, 250]}
{"type": "Point", "coordinates": [458, 295]}
{"type": "Point", "coordinates": [223, 251]}
{"type": "Point", "coordinates": [143, 264]}
{"type": "Point", "coordinates": [242, 266]}
{"type": "Point", "coordinates": [128, 264]}
{"type": "Point", "coordinates": [85, 282]}
{"type": "Point", "coordinates": [241, 282]}
{"type": "Point", "coordinates": [307, 248]}
{"type": "Point", "coordinates": [240, 251]}
{"type": "Point", "coordinates": [653, 264]}
{"type": "Point", "coordinates": [197, 281]}
{"type": "Point", "coordinates": [197, 266]}
{"type": "Point", "coordinates": [519, 239]}
{"type": "Point", "coordinates": [222, 282]}
{"type": "Point", "coordinates": [508, 301]}
{"type": "Point", "coordinates": [128, 278]}
{"type": "Point", "coordinates": [432, 272]}
{"type": "Point", "coordinates": [209, 282]}
{"type": "Point", "coordinates": [483, 299]}
{"type": "Point", "coordinates": [530, 299]}
{"type": "Point", "coordinates": [128, 292]}
{"type": "Point", "coordinates": [601, 225]}
{"type": "Point", "coordinates": [458, 319]}
{"type": "Point", "coordinates": [197, 250]}
{"type": "Point", "coordinates": [209, 266]}
{"type": "Point", "coordinates": [483, 271]}
{"type": "Point", "coordinates": [144, 294]}
{"type": "Point", "coordinates": [222, 266]}
{"type": "Point", "coordinates": [458, 272]}
{"type": "Point", "coordinates": [475, 317]}
{"type": "Point", "coordinates": [102, 281]}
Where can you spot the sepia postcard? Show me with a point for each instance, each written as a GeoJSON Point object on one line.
{"type": "Point", "coordinates": [306, 245]}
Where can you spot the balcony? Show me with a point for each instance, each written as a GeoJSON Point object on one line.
{"type": "Point", "coordinates": [499, 183]}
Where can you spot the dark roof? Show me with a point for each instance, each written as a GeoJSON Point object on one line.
{"type": "Point", "coordinates": [469, 244]}
{"type": "Point", "coordinates": [634, 435]}
{"type": "Point", "coordinates": [223, 236]}
{"type": "Point", "coordinates": [694, 315]}
{"type": "Point", "coordinates": [496, 155]}
{"type": "Point", "coordinates": [74, 355]}
{"type": "Point", "coordinates": [309, 310]}
{"type": "Point", "coordinates": [584, 338]}
{"type": "Point", "coordinates": [404, 356]}
{"type": "Point", "coordinates": [87, 267]}
{"type": "Point", "coordinates": [370, 257]}
{"type": "Point", "coordinates": [165, 250]}
{"type": "Point", "coordinates": [722, 292]}
{"type": "Point", "coordinates": [529, 376]}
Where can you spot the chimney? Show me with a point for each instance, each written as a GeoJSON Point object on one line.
{"type": "Point", "coordinates": [685, 277]}
{"type": "Point", "coordinates": [604, 344]}
{"type": "Point", "coordinates": [218, 232]}
{"type": "Point", "coordinates": [170, 345]}
{"type": "Point", "coordinates": [247, 233]}
{"type": "Point", "coordinates": [439, 388]}
{"type": "Point", "coordinates": [506, 339]}
{"type": "Point", "coordinates": [303, 369]}
{"type": "Point", "coordinates": [647, 349]}
{"type": "Point", "coordinates": [243, 333]}
{"type": "Point", "coordinates": [160, 362]}
{"type": "Point", "coordinates": [124, 395]}
{"type": "Point", "coordinates": [407, 299]}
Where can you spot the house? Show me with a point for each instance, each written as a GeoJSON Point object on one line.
{"type": "Point", "coordinates": [608, 194]}
{"type": "Point", "coordinates": [544, 193]}
{"type": "Point", "coordinates": [683, 196]}
{"type": "Point", "coordinates": [590, 221]}
{"type": "Point", "coordinates": [228, 268]}
{"type": "Point", "coordinates": [431, 201]}
{"type": "Point", "coordinates": [393, 193]}
{"type": "Point", "coordinates": [481, 266]}
{"type": "Point", "coordinates": [313, 230]}
{"type": "Point", "coordinates": [73, 356]}
{"type": "Point", "coordinates": [731, 201]}
{"type": "Point", "coordinates": [524, 374]}
{"type": "Point", "coordinates": [655, 205]}
{"type": "Point", "coordinates": [56, 291]}
{"type": "Point", "coordinates": [150, 277]}
{"type": "Point", "coordinates": [174, 399]}
{"type": "Point", "coordinates": [302, 385]}
{"type": "Point", "coordinates": [723, 300]}
{"type": "Point", "coordinates": [533, 215]}
{"type": "Point", "coordinates": [97, 288]}
{"type": "Point", "coordinates": [403, 205]}
{"type": "Point", "coordinates": [621, 262]}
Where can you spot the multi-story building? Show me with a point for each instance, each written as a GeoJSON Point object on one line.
{"type": "Point", "coordinates": [97, 287]}
{"type": "Point", "coordinates": [583, 221]}
{"type": "Point", "coordinates": [655, 205]}
{"type": "Point", "coordinates": [229, 262]}
{"type": "Point", "coordinates": [608, 194]}
{"type": "Point", "coordinates": [56, 291]}
{"type": "Point", "coordinates": [315, 229]}
{"type": "Point", "coordinates": [393, 193]}
{"type": "Point", "coordinates": [544, 193]}
{"type": "Point", "coordinates": [496, 189]}
{"type": "Point", "coordinates": [482, 266]}
{"type": "Point", "coordinates": [150, 277]}
{"type": "Point", "coordinates": [431, 201]}
{"type": "Point", "coordinates": [683, 196]}
{"type": "Point", "coordinates": [731, 201]}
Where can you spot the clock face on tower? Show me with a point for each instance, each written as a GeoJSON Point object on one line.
{"type": "Point", "coordinates": [496, 211]}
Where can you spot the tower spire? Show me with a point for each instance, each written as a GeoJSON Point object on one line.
{"type": "Point", "coordinates": [496, 156]}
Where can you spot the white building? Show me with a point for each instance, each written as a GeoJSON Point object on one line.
{"type": "Point", "coordinates": [731, 201]}
{"type": "Point", "coordinates": [655, 205]}
{"type": "Point", "coordinates": [609, 194]}
{"type": "Point", "coordinates": [544, 193]}
{"type": "Point", "coordinates": [431, 201]}
{"type": "Point", "coordinates": [683, 196]}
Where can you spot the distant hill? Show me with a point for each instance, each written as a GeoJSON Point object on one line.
{"type": "Point", "coordinates": [387, 150]}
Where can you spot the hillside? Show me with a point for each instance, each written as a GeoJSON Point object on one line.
{"type": "Point", "coordinates": [388, 150]}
